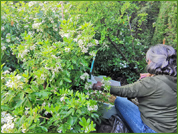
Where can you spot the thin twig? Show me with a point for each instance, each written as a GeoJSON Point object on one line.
{"type": "Point", "coordinates": [117, 49]}
{"type": "Point", "coordinates": [131, 36]}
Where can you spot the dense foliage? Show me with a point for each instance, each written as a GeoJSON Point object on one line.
{"type": "Point", "coordinates": [47, 49]}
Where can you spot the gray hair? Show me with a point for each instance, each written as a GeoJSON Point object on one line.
{"type": "Point", "coordinates": [163, 60]}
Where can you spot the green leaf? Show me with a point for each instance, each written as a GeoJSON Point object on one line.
{"type": "Point", "coordinates": [33, 126]}
{"type": "Point", "coordinates": [61, 82]}
{"type": "Point", "coordinates": [67, 80]}
{"type": "Point", "coordinates": [44, 128]}
{"type": "Point", "coordinates": [19, 103]}
{"type": "Point", "coordinates": [4, 108]}
{"type": "Point", "coordinates": [34, 88]}
{"type": "Point", "coordinates": [70, 121]}
{"type": "Point", "coordinates": [94, 115]}
{"type": "Point", "coordinates": [74, 61]}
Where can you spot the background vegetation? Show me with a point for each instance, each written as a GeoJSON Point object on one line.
{"type": "Point", "coordinates": [47, 49]}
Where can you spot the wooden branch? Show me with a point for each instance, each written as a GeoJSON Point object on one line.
{"type": "Point", "coordinates": [118, 49]}
{"type": "Point", "coordinates": [131, 36]}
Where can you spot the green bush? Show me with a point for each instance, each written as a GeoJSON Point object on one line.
{"type": "Point", "coordinates": [53, 55]}
{"type": "Point", "coordinates": [117, 49]}
{"type": "Point", "coordinates": [166, 24]}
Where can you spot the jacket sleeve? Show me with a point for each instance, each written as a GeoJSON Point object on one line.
{"type": "Point", "coordinates": [142, 88]}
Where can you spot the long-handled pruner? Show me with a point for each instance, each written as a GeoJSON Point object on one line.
{"type": "Point", "coordinates": [92, 66]}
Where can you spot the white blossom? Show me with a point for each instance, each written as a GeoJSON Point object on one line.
{"type": "Point", "coordinates": [8, 40]}
{"type": "Point", "coordinates": [43, 104]}
{"type": "Point", "coordinates": [41, 4]}
{"type": "Point", "coordinates": [18, 77]}
{"type": "Point", "coordinates": [17, 38]}
{"type": "Point", "coordinates": [96, 41]}
{"type": "Point", "coordinates": [67, 35]}
{"type": "Point", "coordinates": [46, 112]}
{"type": "Point", "coordinates": [75, 39]}
{"type": "Point", "coordinates": [92, 53]}
{"type": "Point", "coordinates": [32, 47]}
{"type": "Point", "coordinates": [36, 25]}
{"type": "Point", "coordinates": [27, 108]}
{"type": "Point", "coordinates": [90, 45]}
{"type": "Point", "coordinates": [42, 77]}
{"type": "Point", "coordinates": [88, 86]}
{"type": "Point", "coordinates": [67, 49]}
{"type": "Point", "coordinates": [84, 50]}
{"type": "Point", "coordinates": [54, 56]}
{"type": "Point", "coordinates": [8, 35]}
{"type": "Point", "coordinates": [24, 130]}
{"type": "Point", "coordinates": [7, 120]}
{"type": "Point", "coordinates": [84, 76]}
{"type": "Point", "coordinates": [26, 112]}
{"type": "Point", "coordinates": [31, 3]}
{"type": "Point", "coordinates": [10, 84]}
{"type": "Point", "coordinates": [26, 26]}
{"type": "Point", "coordinates": [2, 28]}
{"type": "Point", "coordinates": [49, 104]}
{"type": "Point", "coordinates": [6, 72]}
{"type": "Point", "coordinates": [62, 98]}
{"type": "Point", "coordinates": [80, 42]}
{"type": "Point", "coordinates": [6, 128]}
{"type": "Point", "coordinates": [91, 108]}
{"type": "Point", "coordinates": [59, 131]}
{"type": "Point", "coordinates": [23, 54]}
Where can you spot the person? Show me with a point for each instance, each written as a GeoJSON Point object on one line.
{"type": "Point", "coordinates": [156, 92]}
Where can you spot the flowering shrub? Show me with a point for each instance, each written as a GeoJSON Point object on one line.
{"type": "Point", "coordinates": [53, 55]}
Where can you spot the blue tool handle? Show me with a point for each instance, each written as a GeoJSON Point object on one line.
{"type": "Point", "coordinates": [92, 65]}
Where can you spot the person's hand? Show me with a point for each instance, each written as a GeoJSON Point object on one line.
{"type": "Point", "coordinates": [143, 75]}
{"type": "Point", "coordinates": [97, 86]}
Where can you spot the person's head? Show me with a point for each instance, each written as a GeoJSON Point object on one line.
{"type": "Point", "coordinates": [162, 60]}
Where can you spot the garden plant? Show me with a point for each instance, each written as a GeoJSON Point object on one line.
{"type": "Point", "coordinates": [46, 51]}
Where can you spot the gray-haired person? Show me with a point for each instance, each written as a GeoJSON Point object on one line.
{"type": "Point", "coordinates": [156, 92]}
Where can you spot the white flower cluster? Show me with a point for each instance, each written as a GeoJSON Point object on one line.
{"type": "Point", "coordinates": [26, 110]}
{"type": "Point", "coordinates": [32, 47]}
{"type": "Point", "coordinates": [123, 65]}
{"type": "Point", "coordinates": [94, 92]}
{"type": "Point", "coordinates": [54, 69]}
{"type": "Point", "coordinates": [62, 98]}
{"type": "Point", "coordinates": [2, 28]}
{"type": "Point", "coordinates": [10, 84]}
{"type": "Point", "coordinates": [59, 131]}
{"type": "Point", "coordinates": [83, 48]}
{"type": "Point", "coordinates": [92, 108]}
{"type": "Point", "coordinates": [67, 49]}
{"type": "Point", "coordinates": [7, 121]}
{"type": "Point", "coordinates": [42, 77]}
{"type": "Point", "coordinates": [16, 80]}
{"type": "Point", "coordinates": [90, 44]}
{"type": "Point", "coordinates": [36, 25]}
{"type": "Point", "coordinates": [23, 53]}
{"type": "Point", "coordinates": [84, 76]}
{"type": "Point", "coordinates": [6, 72]}
{"type": "Point", "coordinates": [88, 86]}
{"type": "Point", "coordinates": [93, 53]}
{"type": "Point", "coordinates": [3, 47]}
{"type": "Point", "coordinates": [67, 35]}
{"type": "Point", "coordinates": [31, 3]}
{"type": "Point", "coordinates": [8, 37]}
{"type": "Point", "coordinates": [105, 83]}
